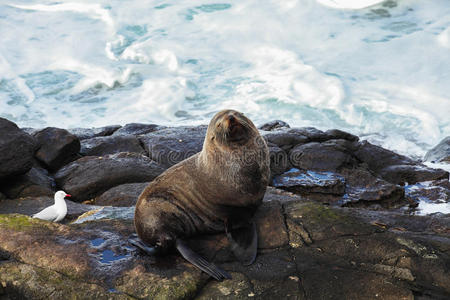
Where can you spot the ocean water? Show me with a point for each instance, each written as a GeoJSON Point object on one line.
{"type": "Point", "coordinates": [379, 69]}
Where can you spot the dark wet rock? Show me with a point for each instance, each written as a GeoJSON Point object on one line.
{"type": "Point", "coordinates": [304, 182]}
{"type": "Point", "coordinates": [58, 147]}
{"type": "Point", "coordinates": [440, 153]}
{"type": "Point", "coordinates": [279, 160]}
{"type": "Point", "coordinates": [364, 189]}
{"type": "Point", "coordinates": [313, 134]}
{"type": "Point", "coordinates": [122, 195]}
{"type": "Point", "coordinates": [2, 196]}
{"type": "Point", "coordinates": [100, 146]}
{"type": "Point", "coordinates": [36, 182]}
{"type": "Point", "coordinates": [366, 252]}
{"type": "Point", "coordinates": [138, 129]}
{"type": "Point", "coordinates": [172, 145]}
{"type": "Point", "coordinates": [88, 133]}
{"type": "Point", "coordinates": [401, 174]}
{"type": "Point", "coordinates": [274, 125]}
{"type": "Point", "coordinates": [329, 156]}
{"type": "Point", "coordinates": [287, 138]}
{"type": "Point", "coordinates": [90, 176]}
{"type": "Point", "coordinates": [378, 158]}
{"type": "Point", "coordinates": [16, 150]}
{"type": "Point", "coordinates": [337, 134]}
{"type": "Point", "coordinates": [284, 139]}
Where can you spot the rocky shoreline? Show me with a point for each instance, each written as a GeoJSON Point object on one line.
{"type": "Point", "coordinates": [337, 221]}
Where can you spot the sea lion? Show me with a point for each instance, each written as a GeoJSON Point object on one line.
{"type": "Point", "coordinates": [215, 190]}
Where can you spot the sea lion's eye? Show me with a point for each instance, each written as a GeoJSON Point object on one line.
{"type": "Point", "coordinates": [212, 139]}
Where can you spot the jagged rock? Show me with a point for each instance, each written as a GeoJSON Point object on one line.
{"type": "Point", "coordinates": [328, 156]}
{"type": "Point", "coordinates": [16, 150]}
{"type": "Point", "coordinates": [401, 174]}
{"type": "Point", "coordinates": [35, 182]}
{"type": "Point", "coordinates": [104, 145]}
{"type": "Point", "coordinates": [440, 153]}
{"type": "Point", "coordinates": [274, 125]}
{"type": "Point", "coordinates": [88, 133]}
{"type": "Point", "coordinates": [138, 129]}
{"type": "Point", "coordinates": [58, 147]}
{"type": "Point", "coordinates": [304, 182]}
{"type": "Point", "coordinates": [122, 195]}
{"type": "Point", "coordinates": [172, 145]}
{"type": "Point", "coordinates": [364, 189]}
{"type": "Point", "coordinates": [90, 176]}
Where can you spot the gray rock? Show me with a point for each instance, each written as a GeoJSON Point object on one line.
{"type": "Point", "coordinates": [90, 176]}
{"type": "Point", "coordinates": [378, 158]}
{"type": "Point", "coordinates": [36, 182]}
{"type": "Point", "coordinates": [440, 153]}
{"type": "Point", "coordinates": [121, 195]}
{"type": "Point", "coordinates": [283, 139]}
{"type": "Point", "coordinates": [88, 133]}
{"type": "Point", "coordinates": [274, 125]}
{"type": "Point", "coordinates": [104, 145]}
{"type": "Point", "coordinates": [16, 150]}
{"type": "Point", "coordinates": [58, 147]}
{"type": "Point", "coordinates": [339, 134]}
{"type": "Point", "coordinates": [401, 174]}
{"type": "Point", "coordinates": [138, 129]}
{"type": "Point", "coordinates": [172, 145]}
{"type": "Point", "coordinates": [330, 156]}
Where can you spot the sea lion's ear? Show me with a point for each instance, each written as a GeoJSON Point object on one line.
{"type": "Point", "coordinates": [200, 262]}
{"type": "Point", "coordinates": [244, 242]}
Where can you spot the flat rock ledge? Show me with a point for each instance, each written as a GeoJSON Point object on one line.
{"type": "Point", "coordinates": [306, 251]}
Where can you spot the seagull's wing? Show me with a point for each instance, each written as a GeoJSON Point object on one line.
{"type": "Point", "coordinates": [48, 214]}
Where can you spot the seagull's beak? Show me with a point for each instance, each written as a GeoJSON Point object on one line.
{"type": "Point", "coordinates": [67, 195]}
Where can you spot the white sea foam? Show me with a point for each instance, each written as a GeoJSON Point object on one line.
{"type": "Point", "coordinates": [374, 68]}
{"type": "Point", "coordinates": [350, 4]}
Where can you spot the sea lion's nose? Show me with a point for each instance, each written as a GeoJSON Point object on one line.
{"type": "Point", "coordinates": [231, 118]}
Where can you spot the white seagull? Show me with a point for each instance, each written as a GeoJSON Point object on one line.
{"type": "Point", "coordinates": [57, 211]}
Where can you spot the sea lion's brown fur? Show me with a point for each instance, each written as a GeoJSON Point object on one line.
{"type": "Point", "coordinates": [225, 182]}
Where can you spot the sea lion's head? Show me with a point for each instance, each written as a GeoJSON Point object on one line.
{"type": "Point", "coordinates": [230, 128]}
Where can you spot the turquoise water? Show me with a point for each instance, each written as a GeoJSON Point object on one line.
{"type": "Point", "coordinates": [381, 71]}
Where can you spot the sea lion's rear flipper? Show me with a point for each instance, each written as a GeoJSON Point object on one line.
{"type": "Point", "coordinates": [200, 262]}
{"type": "Point", "coordinates": [135, 241]}
{"type": "Point", "coordinates": [244, 242]}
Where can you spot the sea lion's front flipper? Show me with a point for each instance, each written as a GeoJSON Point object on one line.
{"type": "Point", "coordinates": [200, 262]}
{"type": "Point", "coordinates": [135, 241]}
{"type": "Point", "coordinates": [244, 242]}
